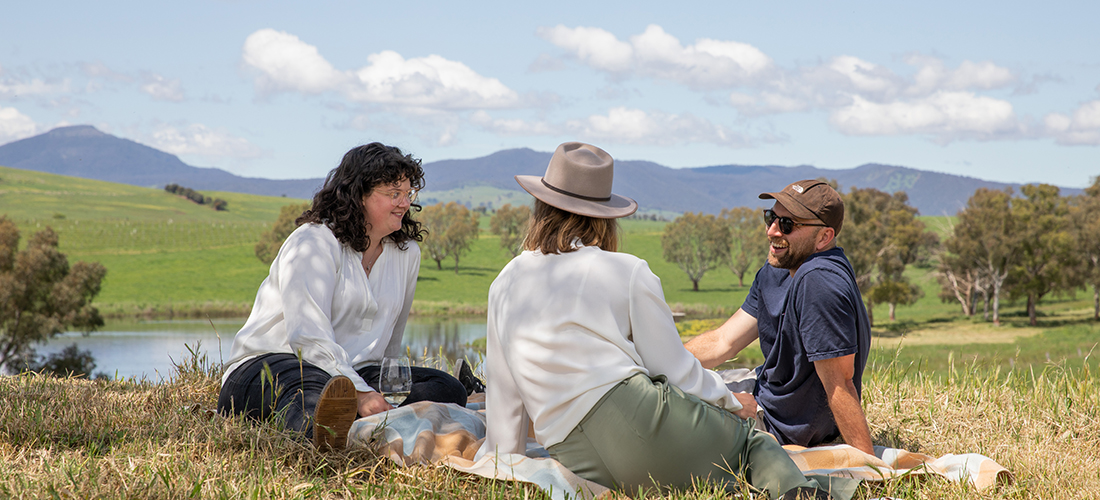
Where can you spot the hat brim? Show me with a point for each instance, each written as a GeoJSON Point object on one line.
{"type": "Point", "coordinates": [792, 205]}
{"type": "Point", "coordinates": [618, 206]}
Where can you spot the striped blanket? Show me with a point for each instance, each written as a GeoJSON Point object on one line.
{"type": "Point", "coordinates": [450, 435]}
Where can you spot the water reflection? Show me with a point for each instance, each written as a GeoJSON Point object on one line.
{"type": "Point", "coordinates": [148, 348]}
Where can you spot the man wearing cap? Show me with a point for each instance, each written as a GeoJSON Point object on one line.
{"type": "Point", "coordinates": [806, 310]}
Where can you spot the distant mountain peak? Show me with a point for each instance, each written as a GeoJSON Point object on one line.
{"type": "Point", "coordinates": [75, 131]}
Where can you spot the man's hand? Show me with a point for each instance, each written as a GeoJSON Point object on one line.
{"type": "Point", "coordinates": [371, 403]}
{"type": "Point", "coordinates": [748, 405]}
{"type": "Point", "coordinates": [836, 376]}
{"type": "Point", "coordinates": [716, 346]}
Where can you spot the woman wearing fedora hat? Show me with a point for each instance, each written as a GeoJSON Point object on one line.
{"type": "Point", "coordinates": [582, 344]}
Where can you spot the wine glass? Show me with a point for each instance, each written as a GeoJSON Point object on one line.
{"type": "Point", "coordinates": [395, 380]}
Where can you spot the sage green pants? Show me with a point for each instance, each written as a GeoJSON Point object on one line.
{"type": "Point", "coordinates": [648, 433]}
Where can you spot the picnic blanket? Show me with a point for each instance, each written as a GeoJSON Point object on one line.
{"type": "Point", "coordinates": [449, 435]}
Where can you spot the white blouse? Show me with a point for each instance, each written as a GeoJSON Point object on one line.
{"type": "Point", "coordinates": [317, 300]}
{"type": "Point", "coordinates": [564, 329]}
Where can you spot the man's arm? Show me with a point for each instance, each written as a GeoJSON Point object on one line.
{"type": "Point", "coordinates": [716, 346]}
{"type": "Point", "coordinates": [836, 375]}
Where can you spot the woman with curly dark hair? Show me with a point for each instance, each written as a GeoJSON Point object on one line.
{"type": "Point", "coordinates": [335, 303]}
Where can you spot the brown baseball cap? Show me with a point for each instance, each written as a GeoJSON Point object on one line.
{"type": "Point", "coordinates": [811, 199]}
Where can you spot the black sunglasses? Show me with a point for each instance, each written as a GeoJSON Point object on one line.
{"type": "Point", "coordinates": [786, 224]}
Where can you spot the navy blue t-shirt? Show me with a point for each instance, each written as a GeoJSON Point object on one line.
{"type": "Point", "coordinates": [816, 314]}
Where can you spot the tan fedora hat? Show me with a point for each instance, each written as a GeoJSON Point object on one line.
{"type": "Point", "coordinates": [578, 180]}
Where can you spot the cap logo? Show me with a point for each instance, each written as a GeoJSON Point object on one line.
{"type": "Point", "coordinates": [797, 188]}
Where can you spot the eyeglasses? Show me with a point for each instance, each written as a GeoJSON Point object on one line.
{"type": "Point", "coordinates": [786, 224]}
{"type": "Point", "coordinates": [396, 196]}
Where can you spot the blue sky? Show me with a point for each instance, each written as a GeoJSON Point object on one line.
{"type": "Point", "coordinates": [1006, 91]}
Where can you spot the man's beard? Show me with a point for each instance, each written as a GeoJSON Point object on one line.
{"type": "Point", "coordinates": [795, 255]}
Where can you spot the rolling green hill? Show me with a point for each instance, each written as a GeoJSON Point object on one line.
{"type": "Point", "coordinates": [164, 254]}
{"type": "Point", "coordinates": [167, 256]}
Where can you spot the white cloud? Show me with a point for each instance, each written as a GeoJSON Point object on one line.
{"type": "Point", "coordinates": [15, 125]}
{"type": "Point", "coordinates": [162, 89]}
{"type": "Point", "coordinates": [1081, 129]}
{"type": "Point", "coordinates": [513, 126]}
{"type": "Point", "coordinates": [12, 88]}
{"type": "Point", "coordinates": [944, 115]}
{"type": "Point", "coordinates": [932, 75]}
{"type": "Point", "coordinates": [429, 82]}
{"type": "Point", "coordinates": [654, 53]}
{"type": "Point", "coordinates": [286, 63]}
{"type": "Point", "coordinates": [198, 140]}
{"type": "Point", "coordinates": [593, 46]}
{"type": "Point", "coordinates": [634, 126]}
{"type": "Point", "coordinates": [862, 75]}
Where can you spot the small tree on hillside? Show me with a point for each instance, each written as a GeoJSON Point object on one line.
{"type": "Point", "coordinates": [748, 240]}
{"type": "Point", "coordinates": [272, 240]}
{"type": "Point", "coordinates": [451, 230]}
{"type": "Point", "coordinates": [435, 219]}
{"type": "Point", "coordinates": [881, 237]}
{"type": "Point", "coordinates": [1086, 218]}
{"type": "Point", "coordinates": [1048, 258]}
{"type": "Point", "coordinates": [906, 240]}
{"type": "Point", "coordinates": [696, 243]}
{"type": "Point", "coordinates": [987, 240]}
{"type": "Point", "coordinates": [40, 294]}
{"type": "Point", "coordinates": [510, 223]}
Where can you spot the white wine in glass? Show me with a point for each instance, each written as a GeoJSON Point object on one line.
{"type": "Point", "coordinates": [395, 380]}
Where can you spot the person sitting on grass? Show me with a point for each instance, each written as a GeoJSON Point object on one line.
{"type": "Point", "coordinates": [335, 303]}
{"type": "Point", "coordinates": [581, 343]}
{"type": "Point", "coordinates": [806, 310]}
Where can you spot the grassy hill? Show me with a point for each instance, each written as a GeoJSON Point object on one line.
{"type": "Point", "coordinates": [167, 256]}
{"type": "Point", "coordinates": [163, 253]}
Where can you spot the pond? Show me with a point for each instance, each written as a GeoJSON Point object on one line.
{"type": "Point", "coordinates": [148, 349]}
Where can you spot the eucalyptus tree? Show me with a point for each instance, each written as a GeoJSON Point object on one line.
{"type": "Point", "coordinates": [881, 237]}
{"type": "Point", "coordinates": [1086, 218]}
{"type": "Point", "coordinates": [1047, 259]}
{"type": "Point", "coordinates": [451, 230]}
{"type": "Point", "coordinates": [510, 223]}
{"type": "Point", "coordinates": [272, 240]}
{"type": "Point", "coordinates": [986, 237]}
{"type": "Point", "coordinates": [696, 243]}
{"type": "Point", "coordinates": [41, 295]}
{"type": "Point", "coordinates": [748, 243]}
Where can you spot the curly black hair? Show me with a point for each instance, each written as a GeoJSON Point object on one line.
{"type": "Point", "coordinates": [339, 203]}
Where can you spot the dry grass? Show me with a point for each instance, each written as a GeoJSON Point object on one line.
{"type": "Point", "coordinates": [63, 438]}
{"type": "Point", "coordinates": [1042, 423]}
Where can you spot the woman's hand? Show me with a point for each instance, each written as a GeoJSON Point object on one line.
{"type": "Point", "coordinates": [371, 403]}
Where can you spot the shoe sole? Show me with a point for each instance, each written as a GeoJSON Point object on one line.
{"type": "Point", "coordinates": [335, 412]}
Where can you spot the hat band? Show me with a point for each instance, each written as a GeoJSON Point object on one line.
{"type": "Point", "coordinates": [575, 195]}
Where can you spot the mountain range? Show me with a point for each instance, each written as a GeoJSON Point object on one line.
{"type": "Point", "coordinates": [84, 151]}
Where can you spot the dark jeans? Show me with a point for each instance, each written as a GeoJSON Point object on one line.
{"type": "Point", "coordinates": [280, 385]}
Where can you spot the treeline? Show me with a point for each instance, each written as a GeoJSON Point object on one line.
{"type": "Point", "coordinates": [197, 197]}
{"type": "Point", "coordinates": [1004, 246]}
{"type": "Point", "coordinates": [1023, 247]}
